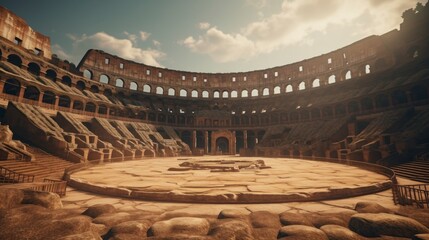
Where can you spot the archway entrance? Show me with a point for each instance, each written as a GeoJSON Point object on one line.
{"type": "Point", "coordinates": [222, 145]}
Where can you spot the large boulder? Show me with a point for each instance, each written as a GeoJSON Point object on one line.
{"type": "Point", "coordinates": [319, 220]}
{"type": "Point", "coordinates": [180, 225]}
{"type": "Point", "coordinates": [233, 213]}
{"type": "Point", "coordinates": [289, 218]}
{"type": "Point", "coordinates": [99, 209]}
{"type": "Point", "coordinates": [131, 228]}
{"type": "Point", "coordinates": [82, 236]}
{"type": "Point", "coordinates": [231, 229]}
{"type": "Point", "coordinates": [374, 225]}
{"type": "Point", "coordinates": [335, 232]}
{"type": "Point", "coordinates": [10, 197]}
{"type": "Point", "coordinates": [301, 232]}
{"type": "Point", "coordinates": [370, 207]}
{"type": "Point", "coordinates": [264, 219]}
{"type": "Point", "coordinates": [45, 199]}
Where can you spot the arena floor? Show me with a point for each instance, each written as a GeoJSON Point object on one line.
{"type": "Point", "coordinates": [287, 180]}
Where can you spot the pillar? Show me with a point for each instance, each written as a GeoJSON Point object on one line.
{"type": "Point", "coordinates": [194, 139]}
{"type": "Point", "coordinates": [57, 100]}
{"type": "Point", "coordinates": [245, 139]}
{"type": "Point", "coordinates": [206, 142]}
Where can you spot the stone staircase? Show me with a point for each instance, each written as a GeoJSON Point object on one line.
{"type": "Point", "coordinates": [417, 170]}
{"type": "Point", "coordinates": [45, 165]}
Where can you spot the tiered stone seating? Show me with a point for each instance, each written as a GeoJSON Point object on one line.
{"type": "Point", "coordinates": [89, 145]}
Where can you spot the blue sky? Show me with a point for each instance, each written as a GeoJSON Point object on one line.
{"type": "Point", "coordinates": [208, 35]}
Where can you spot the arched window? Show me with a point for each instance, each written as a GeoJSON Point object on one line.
{"type": "Point", "coordinates": [244, 93]}
{"type": "Point", "coordinates": [94, 89]}
{"type": "Point", "coordinates": [80, 85]}
{"type": "Point", "coordinates": [225, 94]}
{"type": "Point", "coordinates": [119, 83]}
{"type": "Point", "coordinates": [301, 86]}
{"type": "Point", "coordinates": [134, 86]}
{"type": "Point", "coordinates": [32, 93]}
{"type": "Point", "coordinates": [316, 83]}
{"type": "Point", "coordinates": [147, 88]}
{"type": "Point", "coordinates": [216, 94]}
{"type": "Point", "coordinates": [348, 75]}
{"type": "Point", "coordinates": [234, 94]}
{"type": "Point", "coordinates": [265, 92]}
{"type": "Point", "coordinates": [255, 93]}
{"type": "Point", "coordinates": [367, 69]}
{"type": "Point", "coordinates": [194, 93]}
{"type": "Point", "coordinates": [205, 94]}
{"type": "Point", "coordinates": [12, 87]}
{"type": "Point", "coordinates": [289, 88]}
{"type": "Point", "coordinates": [51, 74]}
{"type": "Point", "coordinates": [331, 79]}
{"type": "Point", "coordinates": [67, 80]}
{"type": "Point", "coordinates": [277, 90]}
{"type": "Point", "coordinates": [171, 92]}
{"type": "Point", "coordinates": [15, 60]}
{"type": "Point", "coordinates": [104, 79]}
{"type": "Point", "coordinates": [183, 93]}
{"type": "Point", "coordinates": [87, 73]}
{"type": "Point", "coordinates": [34, 68]}
{"type": "Point", "coordinates": [159, 90]}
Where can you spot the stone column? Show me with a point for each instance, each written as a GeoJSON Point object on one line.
{"type": "Point", "coordinates": [57, 100]}
{"type": "Point", "coordinates": [206, 142]}
{"type": "Point", "coordinates": [21, 93]}
{"type": "Point", "coordinates": [71, 104]}
{"type": "Point", "coordinates": [194, 139]}
{"type": "Point", "coordinates": [234, 143]}
{"type": "Point", "coordinates": [108, 112]}
{"type": "Point", "coordinates": [245, 139]}
{"type": "Point", "coordinates": [39, 102]}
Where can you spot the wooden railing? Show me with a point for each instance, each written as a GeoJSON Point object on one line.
{"type": "Point", "coordinates": [51, 185]}
{"type": "Point", "coordinates": [9, 176]}
{"type": "Point", "coordinates": [413, 195]}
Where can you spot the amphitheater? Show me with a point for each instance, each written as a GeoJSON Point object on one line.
{"type": "Point", "coordinates": [331, 147]}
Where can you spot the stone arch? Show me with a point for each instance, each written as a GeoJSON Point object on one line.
{"type": "Point", "coordinates": [216, 94]}
{"type": "Point", "coordinates": [289, 88]}
{"type": "Point", "coordinates": [205, 94]}
{"type": "Point", "coordinates": [80, 85]}
{"type": "Point", "coordinates": [171, 92]}
{"type": "Point", "coordinates": [276, 90]}
{"type": "Point", "coordinates": [32, 93]}
{"type": "Point", "coordinates": [134, 86]}
{"type": "Point", "coordinates": [255, 93]}
{"type": "Point", "coordinates": [12, 87]}
{"type": "Point", "coordinates": [147, 88]}
{"type": "Point", "coordinates": [225, 94]}
{"type": "Point", "coordinates": [183, 93]}
{"type": "Point", "coordinates": [90, 107]}
{"type": "Point", "coordinates": [348, 75]}
{"type": "Point", "coordinates": [194, 93]}
{"type": "Point", "coordinates": [33, 68]}
{"type": "Point", "coordinates": [49, 97]}
{"type": "Point", "coordinates": [353, 107]}
{"type": "Point", "coordinates": [301, 86]}
{"type": "Point", "coordinates": [64, 101]}
{"type": "Point", "coordinates": [94, 89]}
{"type": "Point", "coordinates": [382, 101]}
{"type": "Point", "coordinates": [265, 92]}
{"type": "Point", "coordinates": [119, 83]}
{"type": "Point", "coordinates": [399, 97]}
{"type": "Point", "coordinates": [159, 90]}
{"type": "Point", "coordinates": [316, 83]}
{"type": "Point", "coordinates": [244, 93]}
{"type": "Point", "coordinates": [87, 74]}
{"type": "Point", "coordinates": [15, 60]}
{"type": "Point", "coordinates": [367, 104]}
{"type": "Point", "coordinates": [66, 80]}
{"type": "Point", "coordinates": [234, 94]}
{"type": "Point", "coordinates": [51, 74]}
{"type": "Point", "coordinates": [222, 144]}
{"type": "Point", "coordinates": [78, 105]}
{"type": "Point", "coordinates": [104, 79]}
{"type": "Point", "coordinates": [332, 79]}
{"type": "Point", "coordinates": [418, 93]}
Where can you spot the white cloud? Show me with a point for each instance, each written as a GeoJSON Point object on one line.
{"type": "Point", "coordinates": [144, 35]}
{"type": "Point", "coordinates": [156, 43]}
{"type": "Point", "coordinates": [257, 3]}
{"type": "Point", "coordinates": [60, 52]}
{"type": "Point", "coordinates": [122, 47]}
{"type": "Point", "coordinates": [204, 25]}
{"type": "Point", "coordinates": [130, 36]}
{"type": "Point", "coordinates": [295, 22]}
{"type": "Point", "coordinates": [220, 46]}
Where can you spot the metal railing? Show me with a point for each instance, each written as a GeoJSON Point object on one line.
{"type": "Point", "coordinates": [412, 195]}
{"type": "Point", "coordinates": [9, 176]}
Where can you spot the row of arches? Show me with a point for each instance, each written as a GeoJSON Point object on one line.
{"type": "Point", "coordinates": [413, 95]}
{"type": "Point", "coordinates": [181, 92]}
